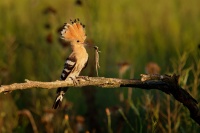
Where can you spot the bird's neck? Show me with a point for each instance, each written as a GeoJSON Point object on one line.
{"type": "Point", "coordinates": [78, 47]}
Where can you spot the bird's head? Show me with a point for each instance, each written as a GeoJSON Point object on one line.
{"type": "Point", "coordinates": [74, 32]}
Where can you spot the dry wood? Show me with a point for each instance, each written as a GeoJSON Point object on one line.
{"type": "Point", "coordinates": [165, 83]}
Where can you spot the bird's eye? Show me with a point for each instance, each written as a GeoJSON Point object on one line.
{"type": "Point", "coordinates": [78, 41]}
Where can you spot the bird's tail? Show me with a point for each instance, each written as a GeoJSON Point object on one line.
{"type": "Point", "coordinates": [59, 98]}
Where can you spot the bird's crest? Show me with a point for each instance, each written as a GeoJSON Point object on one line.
{"type": "Point", "coordinates": [74, 31]}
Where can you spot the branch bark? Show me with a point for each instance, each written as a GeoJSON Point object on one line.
{"type": "Point", "coordinates": [165, 83]}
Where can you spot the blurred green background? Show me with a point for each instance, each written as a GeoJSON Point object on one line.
{"type": "Point", "coordinates": [130, 32]}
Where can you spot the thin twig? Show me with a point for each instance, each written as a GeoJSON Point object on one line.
{"type": "Point", "coordinates": [27, 113]}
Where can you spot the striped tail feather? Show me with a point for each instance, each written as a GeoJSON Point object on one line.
{"type": "Point", "coordinates": [58, 99]}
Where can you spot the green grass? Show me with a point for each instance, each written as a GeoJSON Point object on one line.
{"type": "Point", "coordinates": [166, 32]}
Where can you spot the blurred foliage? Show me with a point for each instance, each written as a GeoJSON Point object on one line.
{"type": "Point", "coordinates": [135, 31]}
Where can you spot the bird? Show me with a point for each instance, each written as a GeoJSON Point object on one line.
{"type": "Point", "coordinates": [77, 60]}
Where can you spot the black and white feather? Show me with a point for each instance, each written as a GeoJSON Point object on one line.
{"type": "Point", "coordinates": [68, 67]}
{"type": "Point", "coordinates": [72, 67]}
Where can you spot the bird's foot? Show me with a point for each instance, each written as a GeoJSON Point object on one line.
{"type": "Point", "coordinates": [86, 78]}
{"type": "Point", "coordinates": [75, 81]}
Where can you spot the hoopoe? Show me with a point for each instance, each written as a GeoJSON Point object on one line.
{"type": "Point", "coordinates": [77, 60]}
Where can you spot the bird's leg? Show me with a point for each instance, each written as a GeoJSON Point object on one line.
{"type": "Point", "coordinates": [75, 81]}
{"type": "Point", "coordinates": [86, 78]}
{"type": "Point", "coordinates": [79, 78]}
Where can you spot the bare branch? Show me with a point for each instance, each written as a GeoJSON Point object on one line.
{"type": "Point", "coordinates": [165, 83]}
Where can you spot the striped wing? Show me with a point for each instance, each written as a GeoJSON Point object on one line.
{"type": "Point", "coordinates": [68, 67]}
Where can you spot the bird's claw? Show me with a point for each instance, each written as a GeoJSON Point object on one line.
{"type": "Point", "coordinates": [75, 81]}
{"type": "Point", "coordinates": [84, 77]}
{"type": "Point", "coordinates": [79, 78]}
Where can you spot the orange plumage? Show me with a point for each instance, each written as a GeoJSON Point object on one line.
{"type": "Point", "coordinates": [74, 32]}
